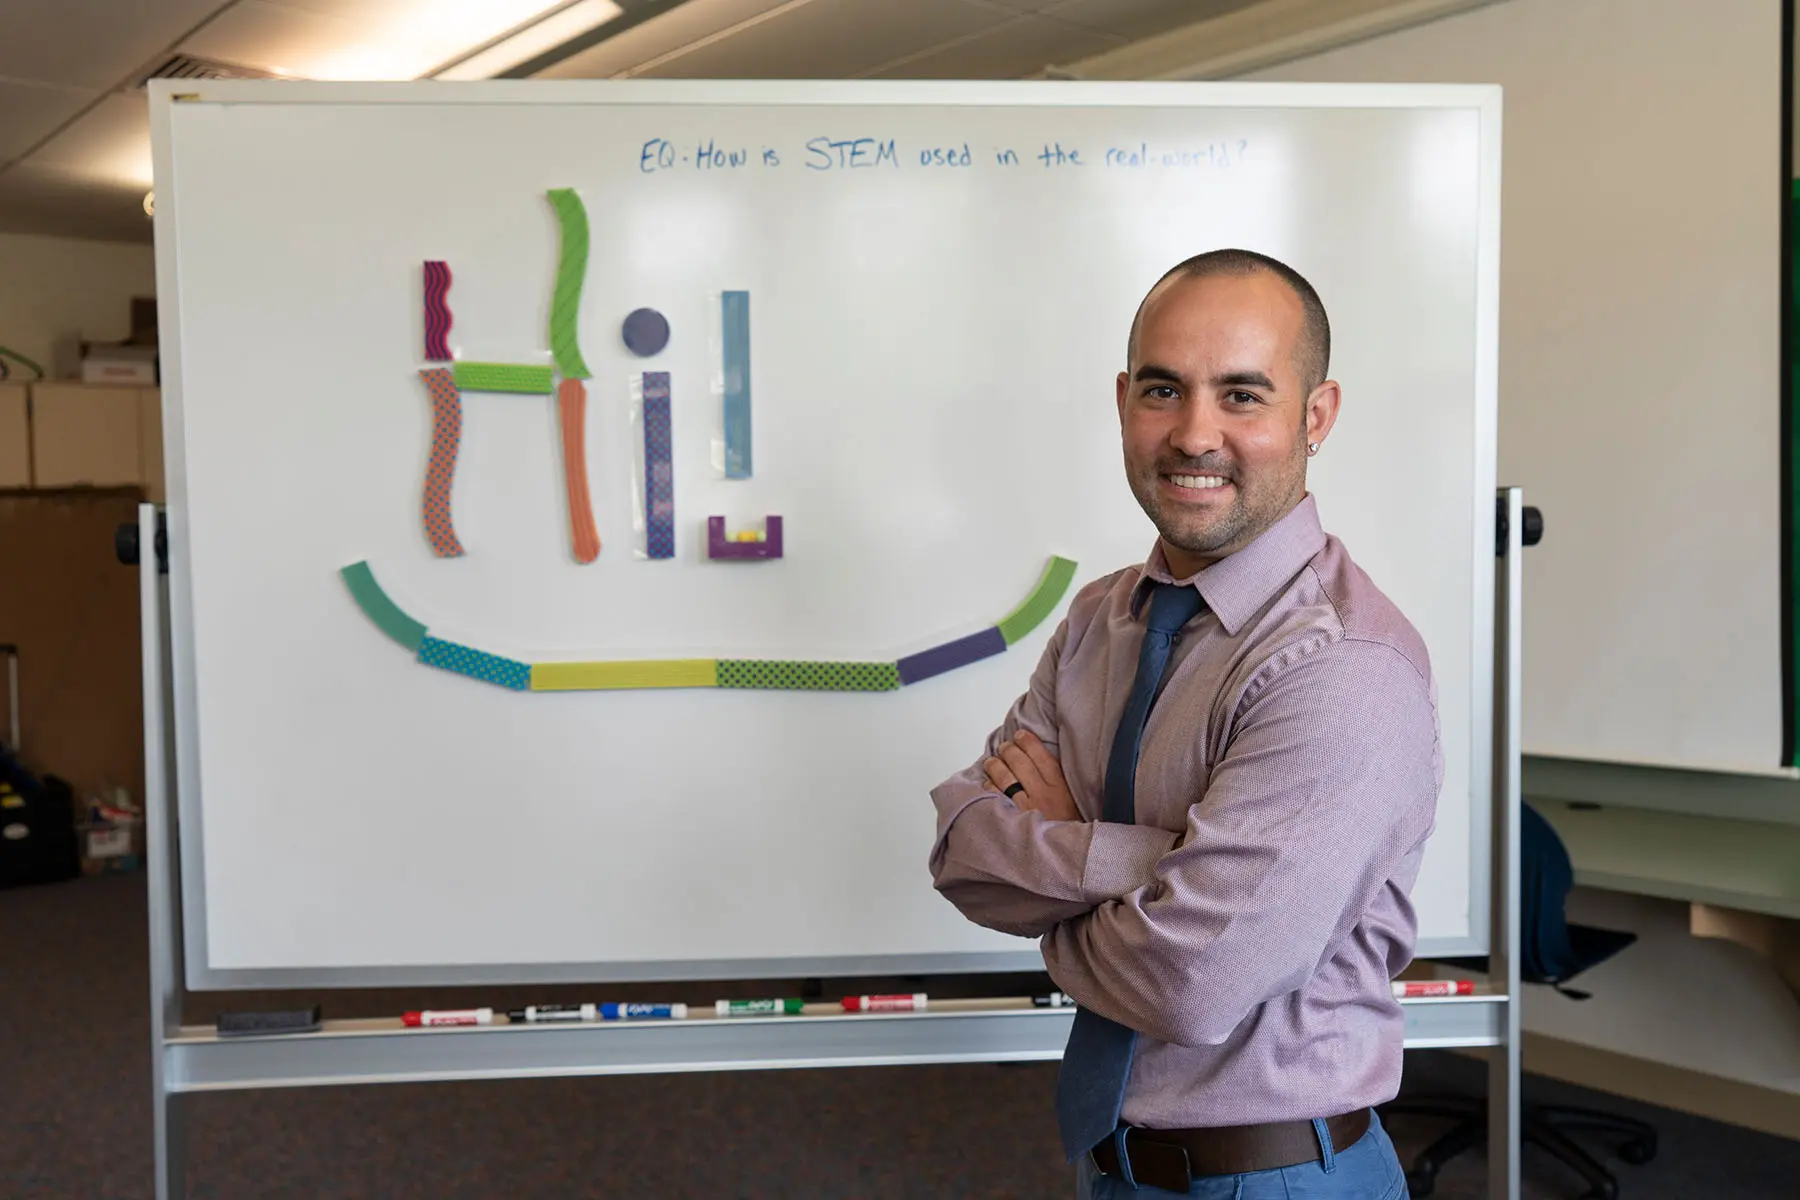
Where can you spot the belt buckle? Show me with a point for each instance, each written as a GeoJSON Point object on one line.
{"type": "Point", "coordinates": [1144, 1163]}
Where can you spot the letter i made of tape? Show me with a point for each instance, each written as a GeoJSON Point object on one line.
{"type": "Point", "coordinates": [437, 313]}
{"type": "Point", "coordinates": [440, 471]}
{"type": "Point", "coordinates": [659, 468]}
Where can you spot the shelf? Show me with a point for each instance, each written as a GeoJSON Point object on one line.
{"type": "Point", "coordinates": [383, 1051]}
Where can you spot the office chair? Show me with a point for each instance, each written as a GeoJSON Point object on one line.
{"type": "Point", "coordinates": [1551, 951]}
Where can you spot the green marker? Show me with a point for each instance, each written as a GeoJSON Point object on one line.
{"type": "Point", "coordinates": [759, 1008]}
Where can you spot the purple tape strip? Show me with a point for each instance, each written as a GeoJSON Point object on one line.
{"type": "Point", "coordinates": [952, 655]}
{"type": "Point", "coordinates": [659, 468]}
{"type": "Point", "coordinates": [718, 547]}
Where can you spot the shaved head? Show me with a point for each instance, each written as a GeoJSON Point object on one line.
{"type": "Point", "coordinates": [1312, 349]}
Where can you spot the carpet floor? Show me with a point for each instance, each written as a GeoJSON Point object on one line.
{"type": "Point", "coordinates": [75, 1110]}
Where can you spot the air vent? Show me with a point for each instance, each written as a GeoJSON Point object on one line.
{"type": "Point", "coordinates": [187, 66]}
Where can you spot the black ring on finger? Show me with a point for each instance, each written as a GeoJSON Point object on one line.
{"type": "Point", "coordinates": [1012, 789]}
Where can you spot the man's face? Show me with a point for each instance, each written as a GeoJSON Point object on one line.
{"type": "Point", "coordinates": [1213, 416]}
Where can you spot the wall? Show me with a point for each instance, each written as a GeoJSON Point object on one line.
{"type": "Point", "coordinates": [1640, 400]}
{"type": "Point", "coordinates": [65, 289]}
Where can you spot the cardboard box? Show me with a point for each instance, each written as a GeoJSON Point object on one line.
{"type": "Point", "coordinates": [118, 363]}
{"type": "Point", "coordinates": [112, 846]}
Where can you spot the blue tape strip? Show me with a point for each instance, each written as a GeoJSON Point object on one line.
{"type": "Point", "coordinates": [735, 314]}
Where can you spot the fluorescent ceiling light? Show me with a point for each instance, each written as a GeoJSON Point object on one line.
{"type": "Point", "coordinates": [561, 26]}
{"type": "Point", "coordinates": [411, 38]}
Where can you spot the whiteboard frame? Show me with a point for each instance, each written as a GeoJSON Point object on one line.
{"type": "Point", "coordinates": [166, 95]}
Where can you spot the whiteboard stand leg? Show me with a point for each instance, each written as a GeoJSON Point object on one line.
{"type": "Point", "coordinates": [1503, 951]}
{"type": "Point", "coordinates": [171, 1144]}
{"type": "Point", "coordinates": [160, 861]}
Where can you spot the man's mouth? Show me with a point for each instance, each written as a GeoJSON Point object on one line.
{"type": "Point", "coordinates": [1197, 482]}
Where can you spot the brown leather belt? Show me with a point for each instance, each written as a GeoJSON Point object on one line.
{"type": "Point", "coordinates": [1172, 1158]}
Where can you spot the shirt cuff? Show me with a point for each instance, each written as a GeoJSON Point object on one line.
{"type": "Point", "coordinates": [1121, 859]}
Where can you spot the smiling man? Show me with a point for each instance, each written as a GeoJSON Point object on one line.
{"type": "Point", "coordinates": [1212, 801]}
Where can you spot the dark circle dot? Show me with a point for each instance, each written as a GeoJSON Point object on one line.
{"type": "Point", "coordinates": [646, 332]}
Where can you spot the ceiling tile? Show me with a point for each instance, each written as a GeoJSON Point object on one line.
{"type": "Point", "coordinates": [91, 43]}
{"type": "Point", "coordinates": [1013, 51]}
{"type": "Point", "coordinates": [830, 39]}
{"type": "Point", "coordinates": [1134, 19]}
{"type": "Point", "coordinates": [110, 144]}
{"type": "Point", "coordinates": [28, 112]}
{"type": "Point", "coordinates": [272, 37]}
{"type": "Point", "coordinates": [659, 35]}
{"type": "Point", "coordinates": [36, 200]}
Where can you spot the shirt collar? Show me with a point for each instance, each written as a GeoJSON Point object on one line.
{"type": "Point", "coordinates": [1238, 586]}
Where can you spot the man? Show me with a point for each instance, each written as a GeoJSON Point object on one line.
{"type": "Point", "coordinates": [1213, 799]}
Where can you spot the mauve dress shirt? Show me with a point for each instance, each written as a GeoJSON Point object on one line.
{"type": "Point", "coordinates": [1250, 923]}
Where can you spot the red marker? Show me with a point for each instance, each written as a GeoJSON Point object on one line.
{"type": "Point", "coordinates": [449, 1016]}
{"type": "Point", "coordinates": [1434, 987]}
{"type": "Point", "coordinates": [913, 1003]}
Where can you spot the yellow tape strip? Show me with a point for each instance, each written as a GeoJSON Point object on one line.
{"type": "Point", "coordinates": [609, 676]}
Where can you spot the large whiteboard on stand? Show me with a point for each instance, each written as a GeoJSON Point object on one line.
{"type": "Point", "coordinates": [941, 278]}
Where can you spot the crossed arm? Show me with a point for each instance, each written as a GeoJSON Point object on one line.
{"type": "Point", "coordinates": [1023, 864]}
{"type": "Point", "coordinates": [1327, 789]}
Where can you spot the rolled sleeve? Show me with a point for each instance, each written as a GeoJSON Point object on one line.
{"type": "Point", "coordinates": [1328, 782]}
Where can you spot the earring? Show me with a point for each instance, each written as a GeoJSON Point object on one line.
{"type": "Point", "coordinates": [1312, 447]}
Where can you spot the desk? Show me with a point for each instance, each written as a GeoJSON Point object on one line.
{"type": "Point", "coordinates": [1749, 865]}
{"type": "Point", "coordinates": [1698, 1024]}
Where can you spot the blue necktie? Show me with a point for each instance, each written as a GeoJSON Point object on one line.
{"type": "Point", "coordinates": [1090, 1087]}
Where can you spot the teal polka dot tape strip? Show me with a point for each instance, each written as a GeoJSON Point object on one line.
{"type": "Point", "coordinates": [476, 664]}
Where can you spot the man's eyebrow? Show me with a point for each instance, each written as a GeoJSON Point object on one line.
{"type": "Point", "coordinates": [1244, 379]}
{"type": "Point", "coordinates": [1152, 371]}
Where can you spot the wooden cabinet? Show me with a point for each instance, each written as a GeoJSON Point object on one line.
{"type": "Point", "coordinates": [15, 436]}
{"type": "Point", "coordinates": [95, 435]}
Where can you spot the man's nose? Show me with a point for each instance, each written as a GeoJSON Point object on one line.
{"type": "Point", "coordinates": [1197, 431]}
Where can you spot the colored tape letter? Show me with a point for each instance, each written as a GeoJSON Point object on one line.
{"type": "Point", "coordinates": [951, 655]}
{"type": "Point", "coordinates": [502, 377]}
{"type": "Point", "coordinates": [718, 546]}
{"type": "Point", "coordinates": [610, 676]}
{"type": "Point", "coordinates": [440, 471]}
{"type": "Point", "coordinates": [659, 468]}
{"type": "Point", "coordinates": [437, 313]}
{"type": "Point", "coordinates": [476, 664]}
{"type": "Point", "coordinates": [375, 604]}
{"type": "Point", "coordinates": [571, 269]}
{"type": "Point", "coordinates": [808, 676]}
{"type": "Point", "coordinates": [735, 315]}
{"type": "Point", "coordinates": [571, 403]}
{"type": "Point", "coordinates": [1044, 597]}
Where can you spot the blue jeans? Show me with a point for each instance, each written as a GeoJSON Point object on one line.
{"type": "Point", "coordinates": [1368, 1170]}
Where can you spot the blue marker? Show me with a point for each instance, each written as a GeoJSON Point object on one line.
{"type": "Point", "coordinates": [643, 1012]}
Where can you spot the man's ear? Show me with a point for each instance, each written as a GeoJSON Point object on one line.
{"type": "Point", "coordinates": [1322, 410]}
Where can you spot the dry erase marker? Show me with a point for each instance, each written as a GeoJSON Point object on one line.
{"type": "Point", "coordinates": [759, 1008]}
{"type": "Point", "coordinates": [540, 1014]}
{"type": "Point", "coordinates": [450, 1016]}
{"type": "Point", "coordinates": [1434, 987]}
{"type": "Point", "coordinates": [1053, 1000]}
{"type": "Point", "coordinates": [913, 1003]}
{"type": "Point", "coordinates": [644, 1012]}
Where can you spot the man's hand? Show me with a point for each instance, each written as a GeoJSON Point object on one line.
{"type": "Point", "coordinates": [1028, 762]}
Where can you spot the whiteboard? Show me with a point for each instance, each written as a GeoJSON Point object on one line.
{"type": "Point", "coordinates": [1627, 293]}
{"type": "Point", "coordinates": [932, 350]}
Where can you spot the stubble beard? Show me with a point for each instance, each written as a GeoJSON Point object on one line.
{"type": "Point", "coordinates": [1252, 510]}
